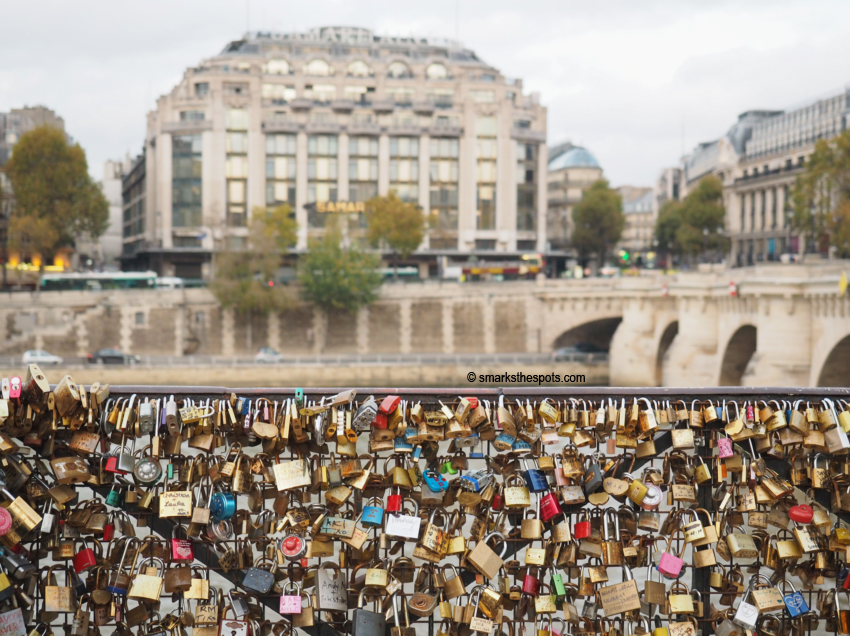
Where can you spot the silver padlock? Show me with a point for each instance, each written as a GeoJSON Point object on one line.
{"type": "Point", "coordinates": [239, 605]}
{"type": "Point", "coordinates": [365, 415]}
{"type": "Point", "coordinates": [171, 419]}
{"type": "Point", "coordinates": [146, 417]}
{"type": "Point", "coordinates": [126, 460]}
{"type": "Point", "coordinates": [48, 519]}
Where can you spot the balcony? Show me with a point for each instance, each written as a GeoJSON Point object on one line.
{"type": "Point", "coordinates": [282, 126]}
{"type": "Point", "coordinates": [301, 103]}
{"type": "Point", "coordinates": [319, 127]}
{"type": "Point", "coordinates": [404, 128]}
{"type": "Point", "coordinates": [364, 128]}
{"type": "Point", "coordinates": [187, 126]}
{"type": "Point", "coordinates": [426, 108]}
{"type": "Point", "coordinates": [446, 131]}
{"type": "Point", "coordinates": [383, 105]}
{"type": "Point", "coordinates": [527, 134]}
{"type": "Point", "coordinates": [343, 105]}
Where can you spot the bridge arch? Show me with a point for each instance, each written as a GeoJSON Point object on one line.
{"type": "Point", "coordinates": [667, 336]}
{"type": "Point", "coordinates": [736, 356]}
{"type": "Point", "coordinates": [836, 368]}
{"type": "Point", "coordinates": [596, 332]}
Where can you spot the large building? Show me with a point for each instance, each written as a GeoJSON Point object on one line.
{"type": "Point", "coordinates": [323, 121]}
{"type": "Point", "coordinates": [571, 171]}
{"type": "Point", "coordinates": [758, 201]}
{"type": "Point", "coordinates": [639, 231]}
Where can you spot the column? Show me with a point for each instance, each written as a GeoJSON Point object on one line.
{"type": "Point", "coordinates": [383, 165]}
{"type": "Point", "coordinates": [782, 321]}
{"type": "Point", "coordinates": [425, 181]}
{"type": "Point", "coordinates": [163, 177]}
{"type": "Point", "coordinates": [692, 359]}
{"type": "Point", "coordinates": [342, 168]}
{"type": "Point", "coordinates": [633, 347]}
{"type": "Point", "coordinates": [301, 189]}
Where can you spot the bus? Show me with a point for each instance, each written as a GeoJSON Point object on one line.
{"type": "Point", "coordinates": [97, 281]}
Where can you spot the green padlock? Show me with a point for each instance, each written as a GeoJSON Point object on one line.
{"type": "Point", "coordinates": [558, 588]}
{"type": "Point", "coordinates": [114, 498]}
{"type": "Point", "coordinates": [447, 468]}
{"type": "Point", "coordinates": [171, 470]}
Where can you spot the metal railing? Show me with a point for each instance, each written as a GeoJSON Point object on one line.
{"type": "Point", "coordinates": [377, 359]}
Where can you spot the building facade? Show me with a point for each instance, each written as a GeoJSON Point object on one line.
{"type": "Point", "coordinates": [327, 119]}
{"type": "Point", "coordinates": [758, 201]}
{"type": "Point", "coordinates": [571, 171]}
{"type": "Point", "coordinates": [639, 231]}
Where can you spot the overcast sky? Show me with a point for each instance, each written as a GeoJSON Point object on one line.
{"type": "Point", "coordinates": [634, 82]}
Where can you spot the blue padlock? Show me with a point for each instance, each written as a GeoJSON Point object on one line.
{"type": "Point", "coordinates": [521, 447]}
{"type": "Point", "coordinates": [435, 481]}
{"type": "Point", "coordinates": [504, 442]}
{"type": "Point", "coordinates": [535, 479]}
{"type": "Point", "coordinates": [222, 506]}
{"type": "Point", "coordinates": [373, 515]}
{"type": "Point", "coordinates": [401, 445]}
{"type": "Point", "coordinates": [795, 602]}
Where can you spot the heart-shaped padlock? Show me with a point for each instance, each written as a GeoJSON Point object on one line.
{"type": "Point", "coordinates": [801, 513]}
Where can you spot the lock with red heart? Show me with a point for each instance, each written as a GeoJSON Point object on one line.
{"type": "Point", "coordinates": [801, 513]}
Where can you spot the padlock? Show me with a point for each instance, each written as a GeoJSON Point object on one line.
{"type": "Point", "coordinates": [366, 623]}
{"type": "Point", "coordinates": [612, 546]}
{"type": "Point", "coordinates": [84, 559]}
{"type": "Point", "coordinates": [373, 513]}
{"type": "Point", "coordinates": [747, 614]}
{"type": "Point", "coordinates": [795, 603]}
{"type": "Point", "coordinates": [670, 565]}
{"type": "Point", "coordinates": [535, 479]}
{"type": "Point", "coordinates": [516, 493]}
{"type": "Point", "coordinates": [693, 530]}
{"type": "Point", "coordinates": [581, 529]}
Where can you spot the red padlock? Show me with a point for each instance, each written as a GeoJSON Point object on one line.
{"type": "Point", "coordinates": [112, 466]}
{"type": "Point", "coordinates": [109, 530]}
{"type": "Point", "coordinates": [473, 403]}
{"type": "Point", "coordinates": [581, 530]}
{"type": "Point", "coordinates": [380, 420]}
{"type": "Point", "coordinates": [549, 507]}
{"type": "Point", "coordinates": [498, 503]}
{"type": "Point", "coordinates": [394, 502]}
{"type": "Point", "coordinates": [389, 404]}
{"type": "Point", "coordinates": [84, 559]}
{"type": "Point", "coordinates": [530, 583]}
{"type": "Point", "coordinates": [801, 513]}
{"type": "Point", "coordinates": [181, 549]}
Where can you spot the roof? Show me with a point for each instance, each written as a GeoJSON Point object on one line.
{"type": "Point", "coordinates": [576, 157]}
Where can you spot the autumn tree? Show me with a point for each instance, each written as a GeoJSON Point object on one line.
{"type": "Point", "coordinates": [821, 195]}
{"type": "Point", "coordinates": [392, 222]}
{"type": "Point", "coordinates": [334, 277]}
{"type": "Point", "coordinates": [56, 201]}
{"type": "Point", "coordinates": [598, 220]}
{"type": "Point", "coordinates": [244, 276]}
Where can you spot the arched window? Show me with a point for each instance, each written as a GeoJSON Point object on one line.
{"type": "Point", "coordinates": [319, 68]}
{"type": "Point", "coordinates": [436, 71]}
{"type": "Point", "coordinates": [277, 67]}
{"type": "Point", "coordinates": [398, 70]}
{"type": "Point", "coordinates": [359, 68]}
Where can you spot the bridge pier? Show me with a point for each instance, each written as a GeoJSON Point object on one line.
{"type": "Point", "coordinates": [692, 358]}
{"type": "Point", "coordinates": [783, 344]}
{"type": "Point", "coordinates": [633, 347]}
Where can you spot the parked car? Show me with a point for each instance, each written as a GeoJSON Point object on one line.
{"type": "Point", "coordinates": [565, 353]}
{"type": "Point", "coordinates": [37, 356]}
{"type": "Point", "coordinates": [268, 355]}
{"type": "Point", "coordinates": [113, 356]}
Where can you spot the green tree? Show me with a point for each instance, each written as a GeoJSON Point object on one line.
{"type": "Point", "coordinates": [694, 225]}
{"type": "Point", "coordinates": [244, 277]}
{"type": "Point", "coordinates": [598, 220]}
{"type": "Point", "coordinates": [56, 200]}
{"type": "Point", "coordinates": [821, 192]}
{"type": "Point", "coordinates": [399, 225]}
{"type": "Point", "coordinates": [335, 277]}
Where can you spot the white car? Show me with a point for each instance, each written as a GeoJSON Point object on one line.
{"type": "Point", "coordinates": [37, 356]}
{"type": "Point", "coordinates": [268, 355]}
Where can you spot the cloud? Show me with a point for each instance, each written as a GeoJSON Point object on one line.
{"type": "Point", "coordinates": [636, 82]}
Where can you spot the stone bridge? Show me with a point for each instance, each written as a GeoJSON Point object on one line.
{"type": "Point", "coordinates": [786, 325]}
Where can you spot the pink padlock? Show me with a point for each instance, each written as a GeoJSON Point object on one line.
{"type": "Point", "coordinates": [671, 565]}
{"type": "Point", "coordinates": [5, 521]}
{"type": "Point", "coordinates": [290, 603]}
{"type": "Point", "coordinates": [15, 388]}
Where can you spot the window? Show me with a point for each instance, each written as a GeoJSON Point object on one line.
{"type": "Point", "coordinates": [140, 318]}
{"type": "Point", "coordinates": [402, 96]}
{"type": "Point", "coordinates": [362, 168]}
{"type": "Point", "coordinates": [319, 68]}
{"type": "Point", "coordinates": [186, 166]}
{"type": "Point", "coordinates": [436, 71]}
{"type": "Point", "coordinates": [526, 194]}
{"type": "Point", "coordinates": [443, 177]}
{"type": "Point", "coordinates": [359, 68]}
{"type": "Point", "coordinates": [488, 77]}
{"type": "Point", "coordinates": [442, 97]}
{"type": "Point", "coordinates": [445, 121]}
{"type": "Point", "coordinates": [398, 70]}
{"type": "Point", "coordinates": [280, 169]}
{"type": "Point", "coordinates": [322, 151]}
{"type": "Point", "coordinates": [522, 124]}
{"type": "Point", "coordinates": [235, 89]}
{"type": "Point", "coordinates": [278, 93]}
{"type": "Point", "coordinates": [202, 89]}
{"type": "Point", "coordinates": [358, 94]}
{"type": "Point", "coordinates": [320, 93]}
{"type": "Point", "coordinates": [236, 166]}
{"type": "Point", "coordinates": [485, 129]}
{"type": "Point", "coordinates": [404, 168]}
{"type": "Point", "coordinates": [191, 115]}
{"type": "Point", "coordinates": [277, 67]}
{"type": "Point", "coordinates": [483, 97]}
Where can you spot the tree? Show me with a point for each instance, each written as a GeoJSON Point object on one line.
{"type": "Point", "coordinates": [821, 193]}
{"type": "Point", "coordinates": [400, 225]}
{"type": "Point", "coordinates": [694, 225]}
{"type": "Point", "coordinates": [56, 200]}
{"type": "Point", "coordinates": [333, 277]}
{"type": "Point", "coordinates": [244, 278]}
{"type": "Point", "coordinates": [598, 220]}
